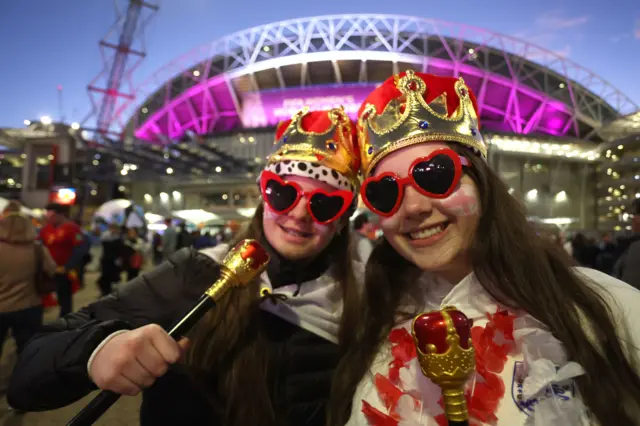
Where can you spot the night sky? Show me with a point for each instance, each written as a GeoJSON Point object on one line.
{"type": "Point", "coordinates": [46, 44]}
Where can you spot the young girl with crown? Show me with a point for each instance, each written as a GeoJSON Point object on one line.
{"type": "Point", "coordinates": [554, 344]}
{"type": "Point", "coordinates": [266, 353]}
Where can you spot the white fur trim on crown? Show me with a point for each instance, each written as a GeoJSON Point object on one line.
{"type": "Point", "coordinates": [312, 170]}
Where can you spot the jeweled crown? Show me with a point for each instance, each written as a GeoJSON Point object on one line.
{"type": "Point", "coordinates": [323, 137]}
{"type": "Point", "coordinates": [407, 119]}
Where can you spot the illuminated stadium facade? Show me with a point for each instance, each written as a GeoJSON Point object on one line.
{"type": "Point", "coordinates": [256, 77]}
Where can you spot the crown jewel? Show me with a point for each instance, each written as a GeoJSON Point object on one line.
{"type": "Point", "coordinates": [331, 147]}
{"type": "Point", "coordinates": [408, 119]}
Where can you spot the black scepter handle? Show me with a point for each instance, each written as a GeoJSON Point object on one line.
{"type": "Point", "coordinates": [246, 261]}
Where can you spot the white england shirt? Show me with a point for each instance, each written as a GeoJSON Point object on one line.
{"type": "Point", "coordinates": [538, 379]}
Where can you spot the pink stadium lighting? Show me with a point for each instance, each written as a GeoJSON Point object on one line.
{"type": "Point", "coordinates": [521, 88]}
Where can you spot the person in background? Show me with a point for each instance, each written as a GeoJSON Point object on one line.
{"type": "Point", "coordinates": [195, 234]}
{"type": "Point", "coordinates": [584, 250]}
{"type": "Point", "coordinates": [156, 248]}
{"type": "Point", "coordinates": [132, 254]}
{"type": "Point", "coordinates": [362, 237]}
{"type": "Point", "coordinates": [627, 268]}
{"type": "Point", "coordinates": [20, 304]}
{"type": "Point", "coordinates": [205, 240]}
{"type": "Point", "coordinates": [169, 240]}
{"type": "Point", "coordinates": [556, 236]}
{"type": "Point", "coordinates": [184, 237]}
{"type": "Point", "coordinates": [64, 240]}
{"type": "Point", "coordinates": [86, 256]}
{"type": "Point", "coordinates": [219, 237]}
{"type": "Point", "coordinates": [111, 261]}
{"type": "Point", "coordinates": [607, 255]}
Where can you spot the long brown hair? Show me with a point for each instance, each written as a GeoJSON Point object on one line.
{"type": "Point", "coordinates": [520, 271]}
{"type": "Point", "coordinates": [228, 346]}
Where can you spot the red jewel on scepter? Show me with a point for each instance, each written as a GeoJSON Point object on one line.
{"type": "Point", "coordinates": [253, 251]}
{"type": "Point", "coordinates": [446, 356]}
{"type": "Point", "coordinates": [431, 329]}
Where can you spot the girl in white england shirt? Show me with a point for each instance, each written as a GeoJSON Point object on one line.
{"type": "Point", "coordinates": [555, 344]}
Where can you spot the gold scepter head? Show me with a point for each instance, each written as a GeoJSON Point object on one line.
{"type": "Point", "coordinates": [446, 356]}
{"type": "Point", "coordinates": [242, 264]}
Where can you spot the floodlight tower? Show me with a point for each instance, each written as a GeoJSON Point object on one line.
{"type": "Point", "coordinates": [122, 50]}
{"type": "Point", "coordinates": [113, 85]}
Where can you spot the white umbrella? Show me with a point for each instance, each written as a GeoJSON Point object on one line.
{"type": "Point", "coordinates": [195, 216]}
{"type": "Point", "coordinates": [113, 212]}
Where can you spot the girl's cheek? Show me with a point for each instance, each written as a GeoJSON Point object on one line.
{"type": "Point", "coordinates": [390, 224]}
{"type": "Point", "coordinates": [269, 214]}
{"type": "Point", "coordinates": [325, 229]}
{"type": "Point", "coordinates": [463, 202]}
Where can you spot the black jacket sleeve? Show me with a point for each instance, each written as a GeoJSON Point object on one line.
{"type": "Point", "coordinates": [52, 370]}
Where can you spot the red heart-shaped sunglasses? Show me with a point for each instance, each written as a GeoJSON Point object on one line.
{"type": "Point", "coordinates": [435, 176]}
{"type": "Point", "coordinates": [282, 196]}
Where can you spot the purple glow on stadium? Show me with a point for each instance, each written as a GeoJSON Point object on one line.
{"type": "Point", "coordinates": [267, 108]}
{"type": "Point", "coordinates": [211, 108]}
{"type": "Point", "coordinates": [221, 86]}
{"type": "Point", "coordinates": [202, 109]}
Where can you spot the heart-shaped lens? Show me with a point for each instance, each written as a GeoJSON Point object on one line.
{"type": "Point", "coordinates": [325, 207]}
{"type": "Point", "coordinates": [435, 175]}
{"type": "Point", "coordinates": [382, 194]}
{"type": "Point", "coordinates": [280, 197]}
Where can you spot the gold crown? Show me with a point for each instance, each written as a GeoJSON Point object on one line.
{"type": "Point", "coordinates": [332, 147]}
{"type": "Point", "coordinates": [409, 120]}
{"type": "Point", "coordinates": [449, 370]}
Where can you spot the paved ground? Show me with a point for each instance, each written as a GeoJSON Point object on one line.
{"type": "Point", "coordinates": [124, 412]}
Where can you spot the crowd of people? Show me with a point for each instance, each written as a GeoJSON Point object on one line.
{"type": "Point", "coordinates": [616, 256]}
{"type": "Point", "coordinates": [125, 251]}
{"type": "Point", "coordinates": [324, 335]}
{"type": "Point", "coordinates": [59, 251]}
{"type": "Point", "coordinates": [178, 237]}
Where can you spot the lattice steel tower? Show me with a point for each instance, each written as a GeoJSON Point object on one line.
{"type": "Point", "coordinates": [113, 86]}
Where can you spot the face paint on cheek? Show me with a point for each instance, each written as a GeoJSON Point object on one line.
{"type": "Point", "coordinates": [324, 229]}
{"type": "Point", "coordinates": [390, 224]}
{"type": "Point", "coordinates": [463, 202]}
{"type": "Point", "coordinates": [320, 229]}
{"type": "Point", "coordinates": [270, 214]}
